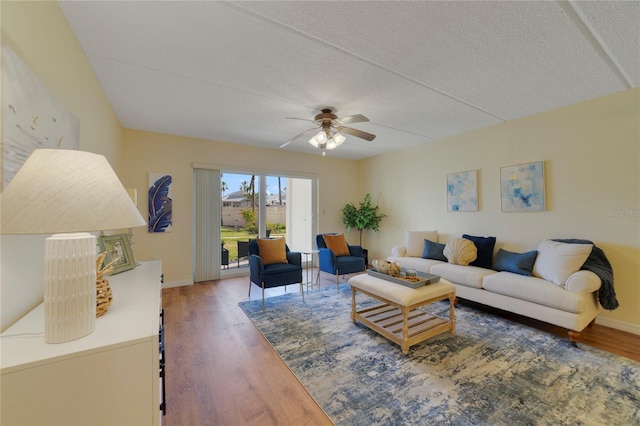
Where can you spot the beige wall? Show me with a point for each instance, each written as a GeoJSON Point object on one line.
{"type": "Point", "coordinates": [590, 152]}
{"type": "Point", "coordinates": [40, 35]}
{"type": "Point", "coordinates": [146, 152]}
{"type": "Point", "coordinates": [592, 166]}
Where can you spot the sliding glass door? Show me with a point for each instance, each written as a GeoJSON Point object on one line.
{"type": "Point", "coordinates": [261, 204]}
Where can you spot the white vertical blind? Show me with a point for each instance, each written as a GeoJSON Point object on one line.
{"type": "Point", "coordinates": [207, 224]}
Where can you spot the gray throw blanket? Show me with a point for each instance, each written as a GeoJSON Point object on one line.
{"type": "Point", "coordinates": [598, 263]}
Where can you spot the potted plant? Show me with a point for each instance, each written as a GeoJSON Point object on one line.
{"type": "Point", "coordinates": [365, 216]}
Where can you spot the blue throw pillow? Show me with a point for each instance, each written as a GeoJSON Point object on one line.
{"type": "Point", "coordinates": [485, 247]}
{"type": "Point", "coordinates": [434, 251]}
{"type": "Point", "coordinates": [518, 263]}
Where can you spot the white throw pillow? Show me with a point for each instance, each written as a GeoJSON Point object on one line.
{"type": "Point", "coordinates": [414, 241]}
{"type": "Point", "coordinates": [460, 251]}
{"type": "Point", "coordinates": [557, 261]}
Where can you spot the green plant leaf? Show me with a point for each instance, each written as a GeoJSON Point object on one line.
{"type": "Point", "coordinates": [365, 216]}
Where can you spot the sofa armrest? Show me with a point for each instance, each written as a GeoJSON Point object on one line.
{"type": "Point", "coordinates": [355, 250]}
{"type": "Point", "coordinates": [294, 257]}
{"type": "Point", "coordinates": [326, 255]}
{"type": "Point", "coordinates": [399, 251]}
{"type": "Point", "coordinates": [583, 282]}
{"type": "Point", "coordinates": [256, 268]}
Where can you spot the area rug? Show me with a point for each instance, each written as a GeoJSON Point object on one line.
{"type": "Point", "coordinates": [491, 372]}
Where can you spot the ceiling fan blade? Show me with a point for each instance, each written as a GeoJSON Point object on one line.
{"type": "Point", "coordinates": [357, 133]}
{"type": "Point", "coordinates": [298, 136]}
{"type": "Point", "coordinates": [303, 119]}
{"type": "Point", "coordinates": [357, 118]}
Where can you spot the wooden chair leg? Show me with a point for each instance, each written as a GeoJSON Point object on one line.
{"type": "Point", "coordinates": [249, 287]}
{"type": "Point", "coordinates": [573, 336]}
{"type": "Point", "coordinates": [263, 296]}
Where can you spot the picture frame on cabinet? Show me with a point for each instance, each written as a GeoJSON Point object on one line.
{"type": "Point", "coordinates": [117, 247]}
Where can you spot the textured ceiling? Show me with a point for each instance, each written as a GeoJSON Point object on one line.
{"type": "Point", "coordinates": [232, 71]}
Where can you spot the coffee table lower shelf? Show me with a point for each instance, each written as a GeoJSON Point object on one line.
{"type": "Point", "coordinates": [388, 321]}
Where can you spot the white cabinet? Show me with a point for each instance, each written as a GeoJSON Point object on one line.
{"type": "Point", "coordinates": [110, 377]}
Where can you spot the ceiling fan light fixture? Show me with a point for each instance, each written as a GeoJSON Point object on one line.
{"type": "Point", "coordinates": [331, 144]}
{"type": "Point", "coordinates": [335, 140]}
{"type": "Point", "coordinates": [331, 131]}
{"type": "Point", "coordinates": [319, 139]}
{"type": "Point", "coordinates": [338, 138]}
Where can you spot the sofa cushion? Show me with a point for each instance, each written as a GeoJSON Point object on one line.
{"type": "Point", "coordinates": [469, 276]}
{"type": "Point", "coordinates": [460, 251]}
{"type": "Point", "coordinates": [535, 290]}
{"type": "Point", "coordinates": [272, 250]}
{"type": "Point", "coordinates": [518, 263]}
{"type": "Point", "coordinates": [485, 247]}
{"type": "Point", "coordinates": [414, 241]}
{"type": "Point", "coordinates": [433, 250]}
{"type": "Point", "coordinates": [417, 263]}
{"type": "Point", "coordinates": [337, 244]}
{"type": "Point", "coordinates": [556, 261]}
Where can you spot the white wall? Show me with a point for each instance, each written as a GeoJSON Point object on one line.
{"type": "Point", "coordinates": [592, 159]}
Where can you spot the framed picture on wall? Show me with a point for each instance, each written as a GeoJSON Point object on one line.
{"type": "Point", "coordinates": [462, 191]}
{"type": "Point", "coordinates": [160, 202]}
{"type": "Point", "coordinates": [522, 187]}
{"type": "Point", "coordinates": [32, 117]}
{"type": "Point", "coordinates": [117, 247]}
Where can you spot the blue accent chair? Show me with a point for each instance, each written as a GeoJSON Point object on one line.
{"type": "Point", "coordinates": [339, 265]}
{"type": "Point", "coordinates": [275, 274]}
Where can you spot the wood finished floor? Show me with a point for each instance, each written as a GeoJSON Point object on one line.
{"type": "Point", "coordinates": [221, 370]}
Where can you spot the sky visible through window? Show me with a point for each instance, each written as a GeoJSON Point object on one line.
{"type": "Point", "coordinates": [234, 182]}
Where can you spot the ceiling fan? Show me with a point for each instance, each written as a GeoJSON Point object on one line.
{"type": "Point", "coordinates": [331, 128]}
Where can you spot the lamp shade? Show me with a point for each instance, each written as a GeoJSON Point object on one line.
{"type": "Point", "coordinates": [59, 190]}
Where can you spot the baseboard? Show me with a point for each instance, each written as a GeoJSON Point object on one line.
{"type": "Point", "coordinates": [177, 284]}
{"type": "Point", "coordinates": [618, 325]}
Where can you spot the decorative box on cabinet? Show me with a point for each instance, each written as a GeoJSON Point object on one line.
{"type": "Point", "coordinates": [109, 377]}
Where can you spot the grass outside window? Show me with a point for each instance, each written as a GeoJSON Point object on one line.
{"type": "Point", "coordinates": [229, 236]}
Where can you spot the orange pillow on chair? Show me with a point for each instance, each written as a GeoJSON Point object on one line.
{"type": "Point", "coordinates": [337, 244]}
{"type": "Point", "coordinates": [272, 250]}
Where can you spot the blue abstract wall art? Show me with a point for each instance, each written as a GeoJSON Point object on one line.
{"type": "Point", "coordinates": [462, 191]}
{"type": "Point", "coordinates": [160, 202]}
{"type": "Point", "coordinates": [522, 187]}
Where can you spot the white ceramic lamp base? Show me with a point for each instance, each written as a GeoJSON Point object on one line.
{"type": "Point", "coordinates": [69, 287]}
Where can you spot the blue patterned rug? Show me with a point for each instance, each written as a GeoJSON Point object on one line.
{"type": "Point", "coordinates": [491, 372]}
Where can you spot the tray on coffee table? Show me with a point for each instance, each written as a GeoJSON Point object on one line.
{"type": "Point", "coordinates": [425, 278]}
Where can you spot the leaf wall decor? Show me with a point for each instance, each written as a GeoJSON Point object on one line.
{"type": "Point", "coordinates": [160, 202]}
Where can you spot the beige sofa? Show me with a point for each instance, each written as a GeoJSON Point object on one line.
{"type": "Point", "coordinates": [571, 302]}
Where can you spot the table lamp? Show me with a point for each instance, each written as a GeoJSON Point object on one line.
{"type": "Point", "coordinates": [67, 193]}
